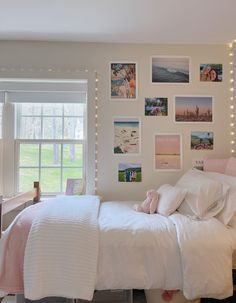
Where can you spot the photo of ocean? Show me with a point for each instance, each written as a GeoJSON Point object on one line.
{"type": "Point", "coordinates": [170, 70]}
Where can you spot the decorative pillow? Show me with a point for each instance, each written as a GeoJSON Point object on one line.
{"type": "Point", "coordinates": [170, 199]}
{"type": "Point", "coordinates": [215, 165]}
{"type": "Point", "coordinates": [230, 205]}
{"type": "Point", "coordinates": [205, 196]}
{"type": "Point", "coordinates": [231, 167]}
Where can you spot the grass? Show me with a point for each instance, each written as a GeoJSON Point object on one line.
{"type": "Point", "coordinates": [50, 166]}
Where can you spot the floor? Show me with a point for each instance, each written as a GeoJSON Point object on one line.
{"type": "Point", "coordinates": [138, 297]}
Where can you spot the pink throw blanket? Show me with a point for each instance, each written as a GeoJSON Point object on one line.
{"type": "Point", "coordinates": [11, 273]}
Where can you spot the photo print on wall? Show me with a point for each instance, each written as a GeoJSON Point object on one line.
{"type": "Point", "coordinates": [192, 109]}
{"type": "Point", "coordinates": [126, 135]}
{"type": "Point", "coordinates": [168, 152]}
{"type": "Point", "coordinates": [211, 72]}
{"type": "Point", "coordinates": [202, 140]}
{"type": "Point", "coordinates": [156, 106]}
{"type": "Point", "coordinates": [129, 172]}
{"type": "Point", "coordinates": [170, 69]}
{"type": "Point", "coordinates": [123, 81]}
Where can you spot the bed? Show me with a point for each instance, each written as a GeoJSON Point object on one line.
{"type": "Point", "coordinates": [123, 249]}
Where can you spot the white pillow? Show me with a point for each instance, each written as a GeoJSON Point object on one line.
{"type": "Point", "coordinates": [205, 197]}
{"type": "Point", "coordinates": [170, 199]}
{"type": "Point", "coordinates": [230, 205]}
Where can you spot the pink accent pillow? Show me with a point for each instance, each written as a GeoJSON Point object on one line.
{"type": "Point", "coordinates": [216, 165]}
{"type": "Point", "coordinates": [230, 169]}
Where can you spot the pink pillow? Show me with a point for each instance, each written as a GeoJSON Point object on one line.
{"type": "Point", "coordinates": [231, 167]}
{"type": "Point", "coordinates": [216, 165]}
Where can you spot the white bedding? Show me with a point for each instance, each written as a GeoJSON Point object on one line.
{"type": "Point", "coordinates": [136, 250]}
{"type": "Point", "coordinates": [206, 257]}
{"type": "Point", "coordinates": [62, 249]}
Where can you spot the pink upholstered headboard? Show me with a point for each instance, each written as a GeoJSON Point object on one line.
{"type": "Point", "coordinates": [225, 166]}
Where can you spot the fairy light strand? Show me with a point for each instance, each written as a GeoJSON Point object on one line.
{"type": "Point", "coordinates": [232, 97]}
{"type": "Point", "coordinates": [56, 70]}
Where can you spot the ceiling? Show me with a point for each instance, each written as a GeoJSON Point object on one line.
{"type": "Point", "coordinates": [120, 21]}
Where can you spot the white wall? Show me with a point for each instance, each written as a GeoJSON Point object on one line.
{"type": "Point", "coordinates": [32, 59]}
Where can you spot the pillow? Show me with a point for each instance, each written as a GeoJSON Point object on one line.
{"type": "Point", "coordinates": [170, 199]}
{"type": "Point", "coordinates": [230, 206]}
{"type": "Point", "coordinates": [231, 167]}
{"type": "Point", "coordinates": [215, 165]}
{"type": "Point", "coordinates": [205, 197]}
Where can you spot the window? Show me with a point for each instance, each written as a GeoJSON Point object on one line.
{"type": "Point", "coordinates": [0, 120]}
{"type": "Point", "coordinates": [44, 135]}
{"type": "Point", "coordinates": [49, 142]}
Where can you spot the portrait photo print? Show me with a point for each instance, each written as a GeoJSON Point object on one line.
{"type": "Point", "coordinates": [126, 135]}
{"type": "Point", "coordinates": [168, 152]}
{"type": "Point", "coordinates": [123, 81]}
{"type": "Point", "coordinates": [167, 69]}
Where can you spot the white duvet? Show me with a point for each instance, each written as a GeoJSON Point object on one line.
{"type": "Point", "coordinates": [124, 249]}
{"type": "Point", "coordinates": [151, 251]}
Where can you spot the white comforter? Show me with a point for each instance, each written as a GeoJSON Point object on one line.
{"type": "Point", "coordinates": [206, 257]}
{"type": "Point", "coordinates": [136, 250]}
{"type": "Point", "coordinates": [62, 249]}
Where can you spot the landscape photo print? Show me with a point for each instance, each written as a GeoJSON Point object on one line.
{"type": "Point", "coordinates": [167, 69]}
{"type": "Point", "coordinates": [194, 109]}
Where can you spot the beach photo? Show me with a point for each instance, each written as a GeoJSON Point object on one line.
{"type": "Point", "coordinates": [202, 140]}
{"type": "Point", "coordinates": [211, 72]}
{"type": "Point", "coordinates": [123, 81]}
{"type": "Point", "coordinates": [168, 152]}
{"type": "Point", "coordinates": [194, 109]}
{"type": "Point", "coordinates": [167, 69]}
{"type": "Point", "coordinates": [156, 106]}
{"type": "Point", "coordinates": [198, 163]}
{"type": "Point", "coordinates": [129, 172]}
{"type": "Point", "coordinates": [126, 135]}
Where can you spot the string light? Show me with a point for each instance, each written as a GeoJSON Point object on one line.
{"type": "Point", "coordinates": [232, 96]}
{"type": "Point", "coordinates": [96, 132]}
{"type": "Point", "coordinates": [54, 70]}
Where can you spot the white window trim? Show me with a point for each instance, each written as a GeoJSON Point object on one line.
{"type": "Point", "coordinates": [9, 166]}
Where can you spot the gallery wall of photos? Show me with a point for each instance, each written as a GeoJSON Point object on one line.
{"type": "Point", "coordinates": [188, 110]}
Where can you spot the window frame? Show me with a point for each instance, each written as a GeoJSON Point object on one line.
{"type": "Point", "coordinates": [9, 159]}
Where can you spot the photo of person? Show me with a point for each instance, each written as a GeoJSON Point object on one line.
{"type": "Point", "coordinates": [156, 106]}
{"type": "Point", "coordinates": [168, 152]}
{"type": "Point", "coordinates": [193, 109]}
{"type": "Point", "coordinates": [202, 140]}
{"type": "Point", "coordinates": [123, 77]}
{"type": "Point", "coordinates": [167, 69]}
{"type": "Point", "coordinates": [211, 72]}
{"type": "Point", "coordinates": [129, 172]}
{"type": "Point", "coordinates": [126, 135]}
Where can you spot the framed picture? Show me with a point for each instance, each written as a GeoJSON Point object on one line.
{"type": "Point", "coordinates": [129, 172]}
{"type": "Point", "coordinates": [198, 164]}
{"type": "Point", "coordinates": [156, 106]}
{"type": "Point", "coordinates": [194, 109]}
{"type": "Point", "coordinates": [74, 186]}
{"type": "Point", "coordinates": [168, 152]}
{"type": "Point", "coordinates": [211, 72]}
{"type": "Point", "coordinates": [123, 81]}
{"type": "Point", "coordinates": [202, 140]}
{"type": "Point", "coordinates": [170, 69]}
{"type": "Point", "coordinates": [126, 135]}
